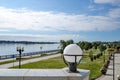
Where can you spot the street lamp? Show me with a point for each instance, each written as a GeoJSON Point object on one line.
{"type": "Point", "coordinates": [104, 48]}
{"type": "Point", "coordinates": [20, 50]}
{"type": "Point", "coordinates": [113, 66]}
{"type": "Point", "coordinates": [72, 56]}
{"type": "Point", "coordinates": [41, 49]}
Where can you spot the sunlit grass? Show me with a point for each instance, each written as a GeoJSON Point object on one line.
{"type": "Point", "coordinates": [27, 58]}
{"type": "Point", "coordinates": [6, 62]}
{"type": "Point", "coordinates": [57, 63]}
{"type": "Point", "coordinates": [50, 63]}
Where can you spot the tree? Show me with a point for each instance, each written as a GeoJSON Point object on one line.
{"type": "Point", "coordinates": [95, 45]}
{"type": "Point", "coordinates": [69, 42]}
{"type": "Point", "coordinates": [87, 45]}
{"type": "Point", "coordinates": [102, 48]}
{"type": "Point", "coordinates": [81, 44]}
{"type": "Point", "coordinates": [91, 55]}
{"type": "Point", "coordinates": [63, 44]}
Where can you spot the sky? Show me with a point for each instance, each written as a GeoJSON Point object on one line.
{"type": "Point", "coordinates": [55, 20]}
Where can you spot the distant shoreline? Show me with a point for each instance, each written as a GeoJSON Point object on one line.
{"type": "Point", "coordinates": [27, 42]}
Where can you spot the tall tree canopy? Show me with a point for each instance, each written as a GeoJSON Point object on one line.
{"type": "Point", "coordinates": [63, 44]}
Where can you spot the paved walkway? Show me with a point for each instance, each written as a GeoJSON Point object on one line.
{"type": "Point", "coordinates": [3, 60]}
{"type": "Point", "coordinates": [5, 66]}
{"type": "Point", "coordinates": [109, 75]}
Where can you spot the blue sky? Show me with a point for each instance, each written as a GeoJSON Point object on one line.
{"type": "Point", "coordinates": [53, 20]}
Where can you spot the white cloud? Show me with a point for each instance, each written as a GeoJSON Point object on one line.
{"type": "Point", "coordinates": [115, 13]}
{"type": "Point", "coordinates": [114, 2]}
{"type": "Point", "coordinates": [25, 19]}
{"type": "Point", "coordinates": [30, 37]}
{"type": "Point", "coordinates": [4, 30]}
{"type": "Point", "coordinates": [94, 8]}
{"type": "Point", "coordinates": [104, 1]}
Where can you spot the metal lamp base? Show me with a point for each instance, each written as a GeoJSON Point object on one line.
{"type": "Point", "coordinates": [72, 67]}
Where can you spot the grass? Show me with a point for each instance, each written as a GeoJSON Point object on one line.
{"type": "Point", "coordinates": [94, 66]}
{"type": "Point", "coordinates": [10, 61]}
{"type": "Point", "coordinates": [57, 63]}
{"type": "Point", "coordinates": [5, 62]}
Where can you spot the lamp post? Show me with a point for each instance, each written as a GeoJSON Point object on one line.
{"type": "Point", "coordinates": [72, 56]}
{"type": "Point", "coordinates": [104, 56]}
{"type": "Point", "coordinates": [13, 59]}
{"type": "Point", "coordinates": [104, 48]}
{"type": "Point", "coordinates": [20, 50]}
{"type": "Point", "coordinates": [41, 49]}
{"type": "Point", "coordinates": [114, 66]}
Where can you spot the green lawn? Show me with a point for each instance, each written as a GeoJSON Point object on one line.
{"type": "Point", "coordinates": [32, 57]}
{"type": "Point", "coordinates": [94, 66]}
{"type": "Point", "coordinates": [50, 63]}
{"type": "Point", "coordinates": [5, 62]}
{"type": "Point", "coordinates": [57, 63]}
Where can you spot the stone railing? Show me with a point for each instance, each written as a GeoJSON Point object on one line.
{"type": "Point", "coordinates": [43, 74]}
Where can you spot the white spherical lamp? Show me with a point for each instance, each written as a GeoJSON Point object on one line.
{"type": "Point", "coordinates": [72, 56]}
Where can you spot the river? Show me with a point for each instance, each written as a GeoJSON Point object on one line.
{"type": "Point", "coordinates": [10, 48]}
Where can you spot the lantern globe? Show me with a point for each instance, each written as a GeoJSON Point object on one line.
{"type": "Point", "coordinates": [71, 51]}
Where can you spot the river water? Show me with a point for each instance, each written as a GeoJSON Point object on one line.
{"type": "Point", "coordinates": [10, 48]}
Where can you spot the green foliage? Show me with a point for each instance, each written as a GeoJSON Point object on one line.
{"type": "Point", "coordinates": [102, 48]}
{"type": "Point", "coordinates": [69, 42]}
{"type": "Point", "coordinates": [95, 45]}
{"type": "Point", "coordinates": [91, 55]}
{"type": "Point", "coordinates": [85, 45]}
{"type": "Point", "coordinates": [63, 44]}
{"type": "Point", "coordinates": [57, 63]}
{"type": "Point", "coordinates": [27, 42]}
{"type": "Point", "coordinates": [81, 44]}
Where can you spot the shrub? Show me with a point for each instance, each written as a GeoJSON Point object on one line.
{"type": "Point", "coordinates": [91, 58]}
{"type": "Point", "coordinates": [91, 55]}
{"type": "Point", "coordinates": [103, 70]}
{"type": "Point", "coordinates": [101, 54]}
{"type": "Point", "coordinates": [109, 57]}
{"type": "Point", "coordinates": [98, 55]}
{"type": "Point", "coordinates": [108, 62]}
{"type": "Point", "coordinates": [105, 65]}
{"type": "Point", "coordinates": [95, 57]}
